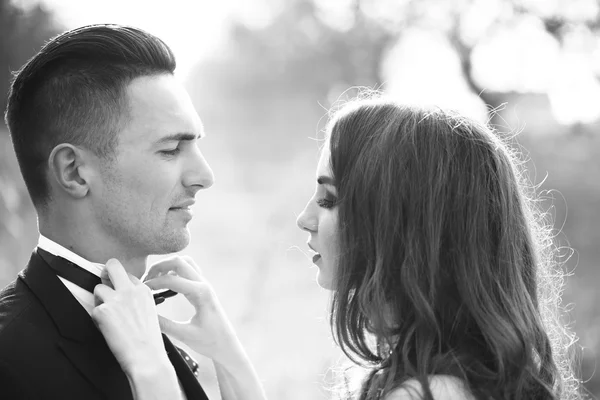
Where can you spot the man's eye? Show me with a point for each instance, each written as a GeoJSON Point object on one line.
{"type": "Point", "coordinates": [172, 152]}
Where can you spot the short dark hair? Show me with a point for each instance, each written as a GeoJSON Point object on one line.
{"type": "Point", "coordinates": [72, 91]}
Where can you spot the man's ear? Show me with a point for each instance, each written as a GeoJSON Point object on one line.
{"type": "Point", "coordinates": [67, 168]}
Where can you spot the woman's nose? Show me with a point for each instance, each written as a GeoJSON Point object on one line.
{"type": "Point", "coordinates": [306, 221]}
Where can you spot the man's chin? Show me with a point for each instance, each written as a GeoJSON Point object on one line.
{"type": "Point", "coordinates": [175, 243]}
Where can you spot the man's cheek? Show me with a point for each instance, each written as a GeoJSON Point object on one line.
{"type": "Point", "coordinates": [140, 179]}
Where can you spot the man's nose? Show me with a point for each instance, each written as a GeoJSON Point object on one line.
{"type": "Point", "coordinates": [199, 174]}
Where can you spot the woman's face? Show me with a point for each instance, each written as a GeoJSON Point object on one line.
{"type": "Point", "coordinates": [319, 218]}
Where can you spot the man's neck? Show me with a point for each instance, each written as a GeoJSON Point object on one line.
{"type": "Point", "coordinates": [94, 248]}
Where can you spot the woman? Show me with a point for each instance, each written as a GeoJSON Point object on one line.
{"type": "Point", "coordinates": [443, 272]}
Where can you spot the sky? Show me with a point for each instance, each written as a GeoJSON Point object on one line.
{"type": "Point", "coordinates": [193, 29]}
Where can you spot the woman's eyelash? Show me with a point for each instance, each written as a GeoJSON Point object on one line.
{"type": "Point", "coordinates": [325, 203]}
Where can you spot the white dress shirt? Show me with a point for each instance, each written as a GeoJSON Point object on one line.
{"type": "Point", "coordinates": [85, 298]}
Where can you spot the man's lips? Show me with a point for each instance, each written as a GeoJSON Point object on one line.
{"type": "Point", "coordinates": [183, 206]}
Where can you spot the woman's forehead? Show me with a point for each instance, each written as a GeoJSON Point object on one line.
{"type": "Point", "coordinates": [324, 167]}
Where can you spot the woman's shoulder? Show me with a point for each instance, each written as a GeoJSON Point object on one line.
{"type": "Point", "coordinates": [443, 387]}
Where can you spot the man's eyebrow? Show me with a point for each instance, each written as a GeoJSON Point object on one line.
{"type": "Point", "coordinates": [176, 137]}
{"type": "Point", "coordinates": [325, 180]}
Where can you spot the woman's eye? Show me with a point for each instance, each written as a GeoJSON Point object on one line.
{"type": "Point", "coordinates": [326, 203]}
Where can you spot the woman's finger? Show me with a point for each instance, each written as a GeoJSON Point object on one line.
{"type": "Point", "coordinates": [106, 279]}
{"type": "Point", "coordinates": [173, 282]}
{"type": "Point", "coordinates": [176, 264]}
{"type": "Point", "coordinates": [134, 279]}
{"type": "Point", "coordinates": [171, 328]}
{"type": "Point", "coordinates": [190, 289]}
{"type": "Point", "coordinates": [117, 274]}
{"type": "Point", "coordinates": [191, 262]}
{"type": "Point", "coordinates": [102, 293]}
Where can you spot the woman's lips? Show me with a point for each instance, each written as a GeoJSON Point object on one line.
{"type": "Point", "coordinates": [317, 256]}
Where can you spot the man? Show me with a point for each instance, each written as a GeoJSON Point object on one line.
{"type": "Point", "coordinates": [107, 143]}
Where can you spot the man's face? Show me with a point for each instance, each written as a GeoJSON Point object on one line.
{"type": "Point", "coordinates": [143, 198]}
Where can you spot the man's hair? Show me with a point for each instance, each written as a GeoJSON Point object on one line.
{"type": "Point", "coordinates": [444, 257]}
{"type": "Point", "coordinates": [73, 91]}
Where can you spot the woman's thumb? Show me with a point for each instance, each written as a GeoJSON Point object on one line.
{"type": "Point", "coordinates": [171, 328]}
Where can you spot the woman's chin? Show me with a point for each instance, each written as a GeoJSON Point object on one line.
{"type": "Point", "coordinates": [324, 281]}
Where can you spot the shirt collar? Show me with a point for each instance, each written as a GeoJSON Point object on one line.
{"type": "Point", "coordinates": [52, 247]}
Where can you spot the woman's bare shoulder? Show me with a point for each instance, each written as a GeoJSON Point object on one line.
{"type": "Point", "coordinates": [443, 387]}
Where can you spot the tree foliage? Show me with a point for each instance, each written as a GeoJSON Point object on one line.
{"type": "Point", "coordinates": [22, 33]}
{"type": "Point", "coordinates": [301, 49]}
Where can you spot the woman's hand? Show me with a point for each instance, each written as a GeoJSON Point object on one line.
{"type": "Point", "coordinates": [126, 316]}
{"type": "Point", "coordinates": [209, 331]}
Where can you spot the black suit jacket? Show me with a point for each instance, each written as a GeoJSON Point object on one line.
{"type": "Point", "coordinates": [51, 349]}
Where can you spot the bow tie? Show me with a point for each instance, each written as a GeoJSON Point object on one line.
{"type": "Point", "coordinates": [84, 278]}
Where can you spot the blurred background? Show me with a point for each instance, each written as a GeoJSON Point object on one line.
{"type": "Point", "coordinates": [262, 74]}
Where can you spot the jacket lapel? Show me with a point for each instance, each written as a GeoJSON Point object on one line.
{"type": "Point", "coordinates": [81, 341]}
{"type": "Point", "coordinates": [188, 380]}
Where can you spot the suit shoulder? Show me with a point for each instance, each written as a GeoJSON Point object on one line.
{"type": "Point", "coordinates": [15, 301]}
{"type": "Point", "coordinates": [443, 387]}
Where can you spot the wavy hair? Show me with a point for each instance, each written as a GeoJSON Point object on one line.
{"type": "Point", "coordinates": [447, 265]}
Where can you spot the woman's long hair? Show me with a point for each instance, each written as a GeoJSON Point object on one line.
{"type": "Point", "coordinates": [444, 257]}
